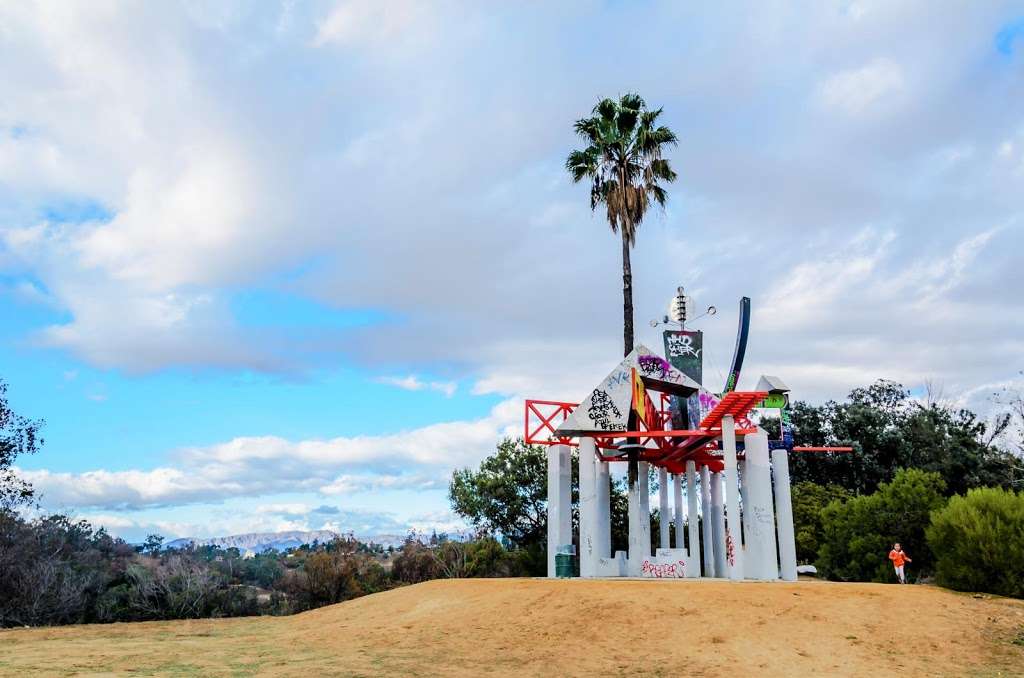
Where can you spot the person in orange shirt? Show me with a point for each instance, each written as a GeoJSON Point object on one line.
{"type": "Point", "coordinates": [898, 558]}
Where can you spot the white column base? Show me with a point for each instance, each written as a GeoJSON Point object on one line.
{"type": "Point", "coordinates": [559, 502]}
{"type": "Point", "coordinates": [784, 515]}
{"type": "Point", "coordinates": [706, 531]}
{"type": "Point", "coordinates": [663, 512]}
{"type": "Point", "coordinates": [761, 561]}
{"type": "Point", "coordinates": [733, 529]}
{"type": "Point", "coordinates": [588, 508]}
{"type": "Point", "coordinates": [718, 524]}
{"type": "Point", "coordinates": [692, 519]}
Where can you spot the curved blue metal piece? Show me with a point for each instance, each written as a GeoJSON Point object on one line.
{"type": "Point", "coordinates": [741, 346]}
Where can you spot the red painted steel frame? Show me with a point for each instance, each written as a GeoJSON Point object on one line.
{"type": "Point", "coordinates": [660, 445]}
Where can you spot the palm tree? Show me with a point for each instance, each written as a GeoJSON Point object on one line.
{"type": "Point", "coordinates": [624, 164]}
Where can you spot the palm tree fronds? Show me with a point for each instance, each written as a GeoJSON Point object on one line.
{"type": "Point", "coordinates": [623, 160]}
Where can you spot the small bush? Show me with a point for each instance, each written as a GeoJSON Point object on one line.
{"type": "Point", "coordinates": [809, 500]}
{"type": "Point", "coordinates": [978, 541]}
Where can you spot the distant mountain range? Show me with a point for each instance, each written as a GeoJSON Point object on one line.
{"type": "Point", "coordinates": [258, 542]}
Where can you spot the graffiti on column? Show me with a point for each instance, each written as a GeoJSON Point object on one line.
{"type": "Point", "coordinates": [661, 570]}
{"type": "Point", "coordinates": [730, 552]}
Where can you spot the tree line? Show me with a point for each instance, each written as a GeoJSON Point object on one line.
{"type": "Point", "coordinates": [55, 570]}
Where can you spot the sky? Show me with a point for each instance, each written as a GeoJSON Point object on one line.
{"type": "Point", "coordinates": [282, 265]}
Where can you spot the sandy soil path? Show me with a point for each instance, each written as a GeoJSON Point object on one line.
{"type": "Point", "coordinates": [560, 628]}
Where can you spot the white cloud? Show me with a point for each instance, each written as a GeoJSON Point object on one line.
{"type": "Point", "coordinates": [417, 459]}
{"type": "Point", "coordinates": [350, 484]}
{"type": "Point", "coordinates": [423, 185]}
{"type": "Point", "coordinates": [362, 22]}
{"type": "Point", "coordinates": [858, 90]}
{"type": "Point", "coordinates": [413, 383]}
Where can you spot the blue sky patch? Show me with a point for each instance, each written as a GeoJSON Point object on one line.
{"type": "Point", "coordinates": [1009, 35]}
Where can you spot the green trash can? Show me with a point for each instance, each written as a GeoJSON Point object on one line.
{"type": "Point", "coordinates": [563, 565]}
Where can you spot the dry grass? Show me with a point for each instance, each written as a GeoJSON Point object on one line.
{"type": "Point", "coordinates": [541, 627]}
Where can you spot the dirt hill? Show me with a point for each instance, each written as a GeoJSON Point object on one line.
{"type": "Point", "coordinates": [554, 628]}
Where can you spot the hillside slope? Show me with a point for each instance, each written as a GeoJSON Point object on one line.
{"type": "Point", "coordinates": [541, 627]}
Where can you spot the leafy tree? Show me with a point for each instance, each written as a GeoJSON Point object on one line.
{"type": "Point", "coordinates": [978, 540]}
{"type": "Point", "coordinates": [1007, 431]}
{"type": "Point", "coordinates": [507, 495]}
{"type": "Point", "coordinates": [55, 570]}
{"type": "Point", "coordinates": [623, 163]}
{"type": "Point", "coordinates": [153, 544]}
{"type": "Point", "coordinates": [415, 563]}
{"type": "Point", "coordinates": [859, 532]}
{"type": "Point", "coordinates": [485, 557]}
{"type": "Point", "coordinates": [619, 507]}
{"type": "Point", "coordinates": [18, 436]}
{"type": "Point", "coordinates": [809, 500]}
{"type": "Point", "coordinates": [889, 430]}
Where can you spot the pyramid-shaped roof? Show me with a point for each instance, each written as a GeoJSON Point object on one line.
{"type": "Point", "coordinates": [607, 406]}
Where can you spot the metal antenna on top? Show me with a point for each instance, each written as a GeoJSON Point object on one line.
{"type": "Point", "coordinates": [681, 309]}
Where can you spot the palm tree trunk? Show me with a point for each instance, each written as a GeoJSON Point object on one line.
{"type": "Point", "coordinates": [627, 295]}
{"type": "Point", "coordinates": [633, 455]}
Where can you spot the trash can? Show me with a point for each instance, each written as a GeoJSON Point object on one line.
{"type": "Point", "coordinates": [563, 565]}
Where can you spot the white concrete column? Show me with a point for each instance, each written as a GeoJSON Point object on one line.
{"type": "Point", "coordinates": [784, 514]}
{"type": "Point", "coordinates": [559, 501]}
{"type": "Point", "coordinates": [761, 562]}
{"type": "Point", "coordinates": [732, 499]}
{"type": "Point", "coordinates": [664, 515]}
{"type": "Point", "coordinates": [705, 511]}
{"type": "Point", "coordinates": [588, 508]}
{"type": "Point", "coordinates": [691, 511]}
{"type": "Point", "coordinates": [741, 470]}
{"type": "Point", "coordinates": [718, 523]}
{"type": "Point", "coordinates": [645, 508]}
{"type": "Point", "coordinates": [677, 516]}
{"type": "Point", "coordinates": [636, 535]}
{"type": "Point", "coordinates": [604, 511]}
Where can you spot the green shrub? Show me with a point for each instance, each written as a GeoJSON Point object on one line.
{"type": "Point", "coordinates": [809, 500]}
{"type": "Point", "coordinates": [978, 541]}
{"type": "Point", "coordinates": [859, 533]}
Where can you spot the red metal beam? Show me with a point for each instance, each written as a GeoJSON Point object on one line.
{"type": "Point", "coordinates": [673, 448]}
